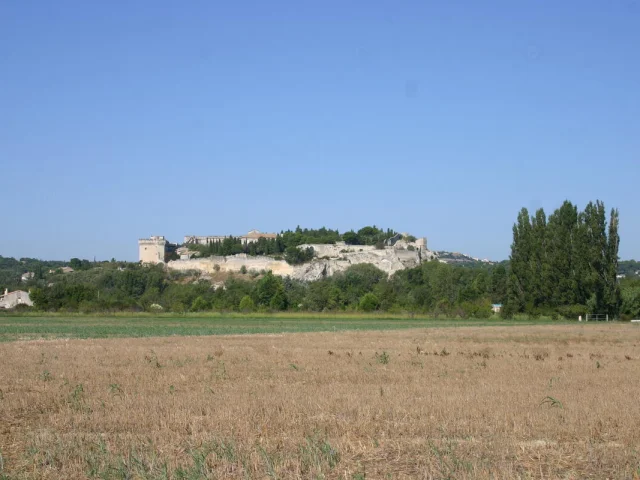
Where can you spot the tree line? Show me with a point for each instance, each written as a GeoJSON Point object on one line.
{"type": "Point", "coordinates": [433, 287]}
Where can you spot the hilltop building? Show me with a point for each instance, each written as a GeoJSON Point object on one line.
{"type": "Point", "coordinates": [61, 270]}
{"type": "Point", "coordinates": [155, 249]}
{"type": "Point", "coordinates": [251, 237]}
{"type": "Point", "coordinates": [400, 252]}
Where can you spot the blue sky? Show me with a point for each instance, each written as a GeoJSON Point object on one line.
{"type": "Point", "coordinates": [120, 120]}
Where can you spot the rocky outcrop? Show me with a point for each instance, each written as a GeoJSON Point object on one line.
{"type": "Point", "coordinates": [328, 260]}
{"type": "Point", "coordinates": [233, 263]}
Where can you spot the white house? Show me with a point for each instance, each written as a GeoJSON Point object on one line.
{"type": "Point", "coordinates": [62, 269]}
{"type": "Point", "coordinates": [27, 276]}
{"type": "Point", "coordinates": [496, 307]}
{"type": "Point", "coordinates": [13, 299]}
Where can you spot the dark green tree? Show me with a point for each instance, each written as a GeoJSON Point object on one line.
{"type": "Point", "coordinates": [613, 299]}
{"type": "Point", "coordinates": [519, 280]}
{"type": "Point", "coordinates": [369, 302]}
{"type": "Point", "coordinates": [351, 238]}
{"type": "Point", "coordinates": [562, 280]}
{"type": "Point", "coordinates": [499, 284]}
{"type": "Point", "coordinates": [268, 288]}
{"type": "Point", "coordinates": [595, 238]}
{"type": "Point", "coordinates": [540, 293]}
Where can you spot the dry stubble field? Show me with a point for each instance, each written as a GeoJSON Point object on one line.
{"type": "Point", "coordinates": [472, 402]}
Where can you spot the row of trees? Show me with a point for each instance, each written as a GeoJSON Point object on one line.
{"type": "Point", "coordinates": [567, 260]}
{"type": "Point", "coordinates": [433, 287]}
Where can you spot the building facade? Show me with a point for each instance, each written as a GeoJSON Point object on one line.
{"type": "Point", "coordinates": [153, 250]}
{"type": "Point", "coordinates": [251, 237]}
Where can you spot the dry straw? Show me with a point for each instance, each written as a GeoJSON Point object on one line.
{"type": "Point", "coordinates": [478, 402]}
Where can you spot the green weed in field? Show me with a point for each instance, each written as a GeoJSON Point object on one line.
{"type": "Point", "coordinates": [382, 358]}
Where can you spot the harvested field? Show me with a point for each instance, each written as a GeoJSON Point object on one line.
{"type": "Point", "coordinates": [471, 402]}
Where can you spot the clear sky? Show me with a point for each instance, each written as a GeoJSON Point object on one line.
{"type": "Point", "coordinates": [121, 120]}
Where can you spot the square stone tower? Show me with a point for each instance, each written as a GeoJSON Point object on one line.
{"type": "Point", "coordinates": [152, 250]}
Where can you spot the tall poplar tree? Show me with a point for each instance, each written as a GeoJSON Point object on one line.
{"type": "Point", "coordinates": [595, 224]}
{"type": "Point", "coordinates": [613, 298]}
{"type": "Point", "coordinates": [519, 280]}
{"type": "Point", "coordinates": [561, 230]}
{"type": "Point", "coordinates": [540, 293]}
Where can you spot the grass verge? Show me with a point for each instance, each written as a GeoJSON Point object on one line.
{"type": "Point", "coordinates": [29, 327]}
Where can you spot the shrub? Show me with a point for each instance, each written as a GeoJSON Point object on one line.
{"type": "Point", "coordinates": [296, 256]}
{"type": "Point", "coordinates": [246, 304]}
{"type": "Point", "coordinates": [369, 302]}
{"type": "Point", "coordinates": [178, 307]}
{"type": "Point", "coordinates": [278, 301]}
{"type": "Point", "coordinates": [25, 307]}
{"type": "Point", "coordinates": [243, 269]}
{"type": "Point", "coordinates": [200, 304]}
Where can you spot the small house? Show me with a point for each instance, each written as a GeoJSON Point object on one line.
{"type": "Point", "coordinates": [27, 276]}
{"type": "Point", "coordinates": [13, 299]}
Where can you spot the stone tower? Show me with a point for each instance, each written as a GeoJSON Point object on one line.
{"type": "Point", "coordinates": [152, 250]}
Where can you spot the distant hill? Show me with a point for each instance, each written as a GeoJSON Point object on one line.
{"type": "Point", "coordinates": [627, 268]}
